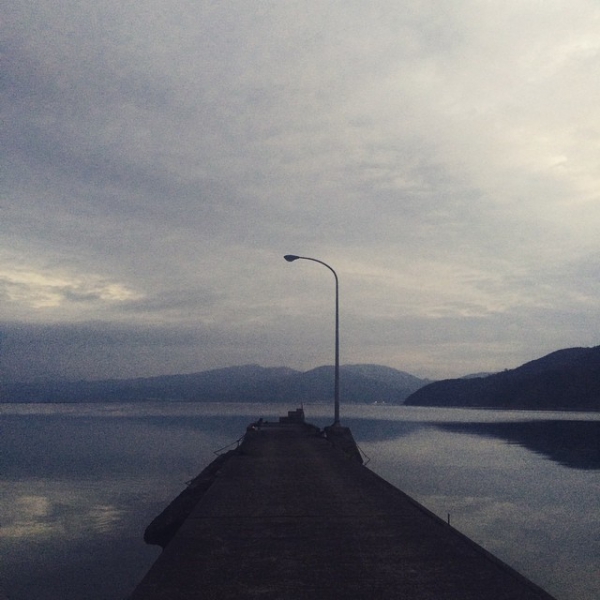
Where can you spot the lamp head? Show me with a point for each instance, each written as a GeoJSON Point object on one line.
{"type": "Point", "coordinates": [291, 257]}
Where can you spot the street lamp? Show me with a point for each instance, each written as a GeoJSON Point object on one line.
{"type": "Point", "coordinates": [292, 258]}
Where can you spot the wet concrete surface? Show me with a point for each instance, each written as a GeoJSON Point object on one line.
{"type": "Point", "coordinates": [290, 516]}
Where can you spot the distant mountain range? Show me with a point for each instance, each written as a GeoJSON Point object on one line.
{"type": "Point", "coordinates": [563, 380]}
{"type": "Point", "coordinates": [248, 383]}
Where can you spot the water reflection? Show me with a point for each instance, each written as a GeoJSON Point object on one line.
{"type": "Point", "coordinates": [535, 514]}
{"type": "Point", "coordinates": [26, 516]}
{"type": "Point", "coordinates": [574, 444]}
{"type": "Point", "coordinates": [59, 539]}
{"type": "Point", "coordinates": [79, 484]}
{"type": "Point", "coordinates": [92, 448]}
{"type": "Point", "coordinates": [381, 430]}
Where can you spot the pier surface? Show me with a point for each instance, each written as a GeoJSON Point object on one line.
{"type": "Point", "coordinates": [291, 516]}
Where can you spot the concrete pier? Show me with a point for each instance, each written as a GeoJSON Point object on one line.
{"type": "Point", "coordinates": [291, 515]}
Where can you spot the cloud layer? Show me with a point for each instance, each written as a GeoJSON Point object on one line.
{"type": "Point", "coordinates": [161, 158]}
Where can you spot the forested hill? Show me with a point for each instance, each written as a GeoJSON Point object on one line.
{"type": "Point", "coordinates": [367, 384]}
{"type": "Point", "coordinates": [567, 379]}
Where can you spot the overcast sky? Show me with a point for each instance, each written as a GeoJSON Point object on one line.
{"type": "Point", "coordinates": [160, 158]}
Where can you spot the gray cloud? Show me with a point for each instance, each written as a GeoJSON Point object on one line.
{"type": "Point", "coordinates": [161, 158]}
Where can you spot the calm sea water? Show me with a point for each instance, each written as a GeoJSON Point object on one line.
{"type": "Point", "coordinates": [79, 484]}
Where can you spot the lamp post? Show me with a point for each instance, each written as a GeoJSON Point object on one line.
{"type": "Point", "coordinates": [292, 258]}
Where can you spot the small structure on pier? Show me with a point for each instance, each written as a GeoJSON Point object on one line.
{"type": "Point", "coordinates": [293, 416]}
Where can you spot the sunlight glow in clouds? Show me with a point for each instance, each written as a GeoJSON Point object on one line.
{"type": "Point", "coordinates": [40, 290]}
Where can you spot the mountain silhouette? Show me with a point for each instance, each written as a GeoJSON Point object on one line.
{"type": "Point", "coordinates": [246, 383]}
{"type": "Point", "coordinates": [567, 379]}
